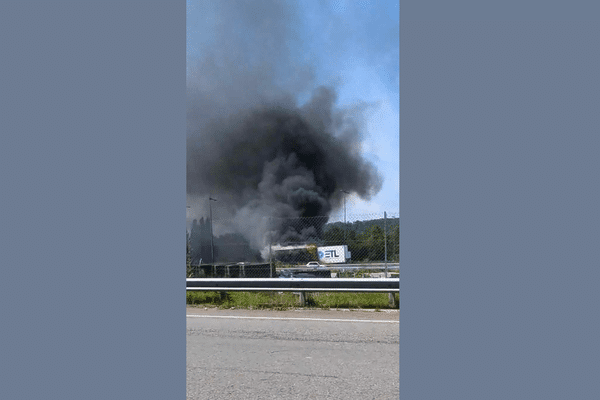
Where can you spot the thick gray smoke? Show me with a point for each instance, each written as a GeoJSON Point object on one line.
{"type": "Point", "coordinates": [250, 145]}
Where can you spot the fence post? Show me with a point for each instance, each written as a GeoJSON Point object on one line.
{"type": "Point", "coordinates": [392, 299]}
{"type": "Point", "coordinates": [385, 241]}
{"type": "Point", "coordinates": [302, 299]}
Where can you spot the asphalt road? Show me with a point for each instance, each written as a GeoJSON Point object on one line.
{"type": "Point", "coordinates": [304, 354]}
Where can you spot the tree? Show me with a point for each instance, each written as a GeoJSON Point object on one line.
{"type": "Point", "coordinates": [394, 244]}
{"type": "Point", "coordinates": [370, 244]}
{"type": "Point", "coordinates": [333, 236]}
{"type": "Point", "coordinates": [188, 256]}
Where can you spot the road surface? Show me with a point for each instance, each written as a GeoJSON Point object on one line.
{"type": "Point", "coordinates": [304, 354]}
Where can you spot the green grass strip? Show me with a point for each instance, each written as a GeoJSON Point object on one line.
{"type": "Point", "coordinates": [287, 300]}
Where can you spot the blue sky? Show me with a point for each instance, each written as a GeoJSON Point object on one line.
{"type": "Point", "coordinates": [352, 45]}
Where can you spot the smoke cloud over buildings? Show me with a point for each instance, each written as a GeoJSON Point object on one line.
{"type": "Point", "coordinates": [265, 157]}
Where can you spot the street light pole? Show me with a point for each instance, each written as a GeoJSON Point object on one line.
{"type": "Point", "coordinates": [212, 244]}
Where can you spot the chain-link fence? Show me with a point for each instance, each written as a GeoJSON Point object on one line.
{"type": "Point", "coordinates": [361, 245]}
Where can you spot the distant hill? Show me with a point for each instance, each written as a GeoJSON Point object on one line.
{"type": "Point", "coordinates": [361, 226]}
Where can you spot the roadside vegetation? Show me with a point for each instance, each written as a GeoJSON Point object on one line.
{"type": "Point", "coordinates": [288, 300]}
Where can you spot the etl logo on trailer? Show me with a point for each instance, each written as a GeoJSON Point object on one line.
{"type": "Point", "coordinates": [333, 254]}
{"type": "Point", "coordinates": [329, 254]}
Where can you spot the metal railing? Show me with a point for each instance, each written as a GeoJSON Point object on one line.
{"type": "Point", "coordinates": [301, 285]}
{"type": "Point", "coordinates": [347, 270]}
{"type": "Point", "coordinates": [246, 270]}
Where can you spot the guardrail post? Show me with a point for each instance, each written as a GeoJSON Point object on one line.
{"type": "Point", "coordinates": [392, 299]}
{"type": "Point", "coordinates": [302, 299]}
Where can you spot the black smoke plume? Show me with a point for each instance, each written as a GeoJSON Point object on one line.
{"type": "Point", "coordinates": [276, 168]}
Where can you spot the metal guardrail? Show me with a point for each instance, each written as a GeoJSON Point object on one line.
{"type": "Point", "coordinates": [330, 271]}
{"type": "Point", "coordinates": [363, 266]}
{"type": "Point", "coordinates": [295, 284]}
{"type": "Point", "coordinates": [348, 268]}
{"type": "Point", "coordinates": [302, 285]}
